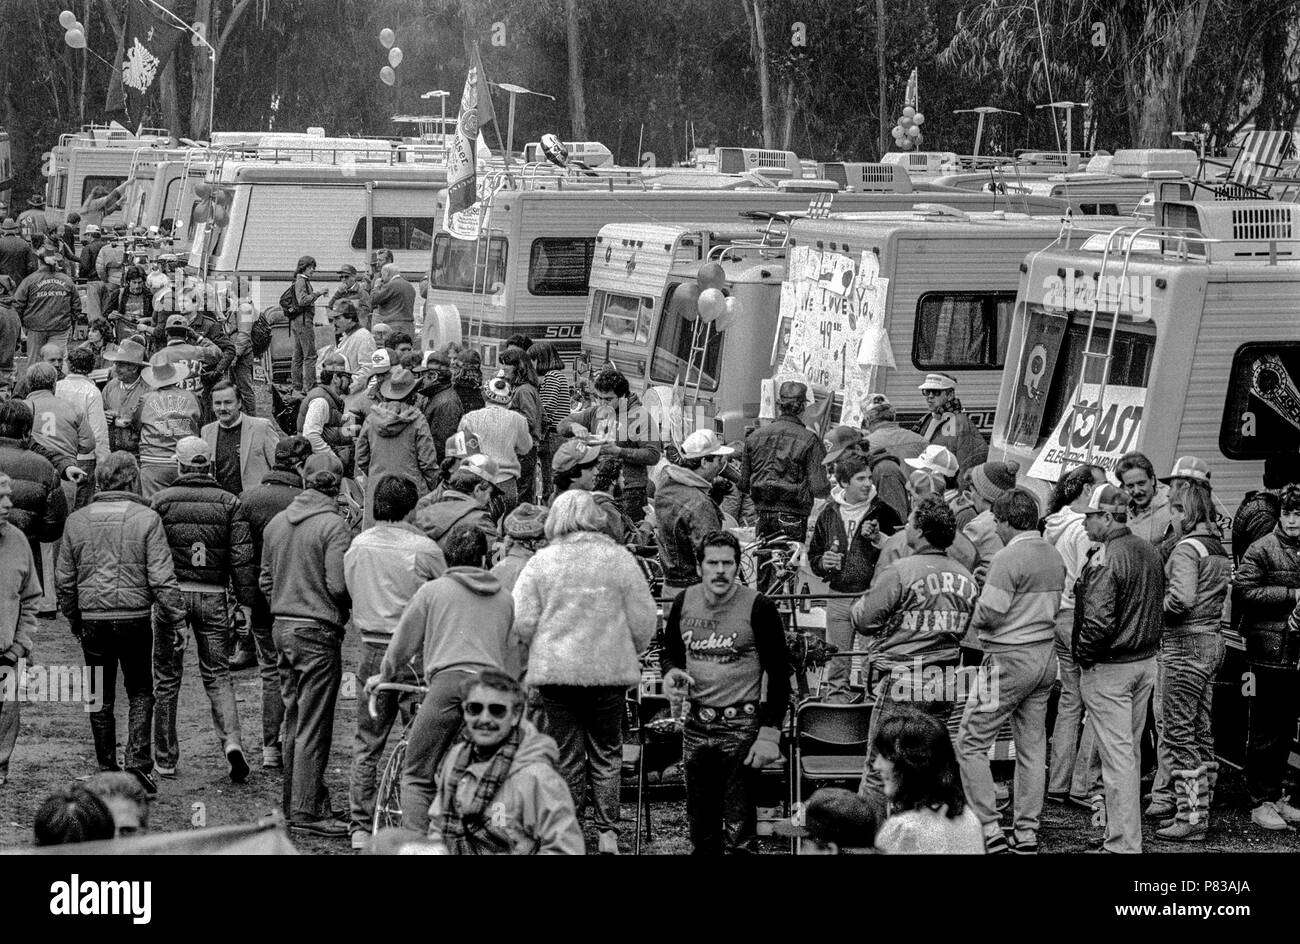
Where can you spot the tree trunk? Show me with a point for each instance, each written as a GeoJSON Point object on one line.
{"type": "Point", "coordinates": [116, 24]}
{"type": "Point", "coordinates": [577, 100]}
{"type": "Point", "coordinates": [169, 95]}
{"type": "Point", "coordinates": [880, 76]}
{"type": "Point", "coordinates": [790, 103]}
{"type": "Point", "coordinates": [758, 50]}
{"type": "Point", "coordinates": [85, 66]}
{"type": "Point", "coordinates": [1170, 37]}
{"type": "Point", "coordinates": [201, 72]}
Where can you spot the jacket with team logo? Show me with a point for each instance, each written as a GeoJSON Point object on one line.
{"type": "Point", "coordinates": [166, 417]}
{"type": "Point", "coordinates": [918, 607]}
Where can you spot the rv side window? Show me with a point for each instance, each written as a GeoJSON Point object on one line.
{"type": "Point", "coordinates": [61, 189]}
{"type": "Point", "coordinates": [1261, 410]}
{"type": "Point", "coordinates": [90, 183]}
{"type": "Point", "coordinates": [560, 266]}
{"type": "Point", "coordinates": [396, 232]}
{"type": "Point", "coordinates": [1099, 209]}
{"type": "Point", "coordinates": [624, 318]}
{"type": "Point", "coordinates": [454, 262]}
{"type": "Point", "coordinates": [962, 330]}
{"type": "Point", "coordinates": [672, 351]}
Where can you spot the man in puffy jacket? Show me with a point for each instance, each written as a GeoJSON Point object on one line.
{"type": "Point", "coordinates": [498, 792]}
{"type": "Point", "coordinates": [11, 332]}
{"type": "Point", "coordinates": [1257, 515]}
{"type": "Point", "coordinates": [948, 425]}
{"type": "Point", "coordinates": [916, 613]}
{"type": "Point", "coordinates": [684, 512]}
{"type": "Point", "coordinates": [395, 438]}
{"type": "Point", "coordinates": [303, 577]}
{"type": "Point", "coordinates": [114, 566]}
{"type": "Point", "coordinates": [211, 547]}
{"type": "Point", "coordinates": [1118, 619]}
{"type": "Point", "coordinates": [40, 505]}
{"type": "Point", "coordinates": [782, 468]}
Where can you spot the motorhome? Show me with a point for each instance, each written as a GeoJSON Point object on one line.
{"type": "Point", "coordinates": [6, 169]}
{"type": "Point", "coordinates": [923, 165]}
{"type": "Point", "coordinates": [529, 269]}
{"type": "Point", "coordinates": [1185, 333]}
{"type": "Point", "coordinates": [944, 282]}
{"type": "Point", "coordinates": [100, 156]}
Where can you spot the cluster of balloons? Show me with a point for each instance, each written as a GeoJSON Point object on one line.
{"type": "Point", "coordinates": [706, 299]}
{"type": "Point", "coordinates": [388, 74]}
{"type": "Point", "coordinates": [74, 33]}
{"type": "Point", "coordinates": [214, 204]}
{"type": "Point", "coordinates": [907, 133]}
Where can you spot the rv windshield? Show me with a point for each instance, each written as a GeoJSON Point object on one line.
{"type": "Point", "coordinates": [672, 351]}
{"type": "Point", "coordinates": [962, 330]}
{"type": "Point", "coordinates": [454, 261]}
{"type": "Point", "coordinates": [623, 318]}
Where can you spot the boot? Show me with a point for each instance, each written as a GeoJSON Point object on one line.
{"type": "Point", "coordinates": [1191, 823]}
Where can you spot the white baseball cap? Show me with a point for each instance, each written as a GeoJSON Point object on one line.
{"type": "Point", "coordinates": [935, 458]}
{"type": "Point", "coordinates": [703, 443]}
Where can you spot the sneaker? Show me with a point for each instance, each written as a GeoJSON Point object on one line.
{"type": "Point", "coordinates": [360, 839]}
{"type": "Point", "coordinates": [147, 782]}
{"type": "Point", "coordinates": [328, 828]}
{"type": "Point", "coordinates": [1082, 802]}
{"type": "Point", "coordinates": [1266, 816]}
{"type": "Point", "coordinates": [1022, 846]}
{"type": "Point", "coordinates": [272, 759]}
{"type": "Point", "coordinates": [1287, 811]}
{"type": "Point", "coordinates": [238, 766]}
{"type": "Point", "coordinates": [608, 843]}
{"type": "Point", "coordinates": [996, 845]}
{"type": "Point", "coordinates": [168, 772]}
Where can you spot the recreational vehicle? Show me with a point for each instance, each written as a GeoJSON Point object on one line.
{"type": "Point", "coordinates": [529, 269]}
{"type": "Point", "coordinates": [942, 286]}
{"type": "Point", "coordinates": [99, 156]}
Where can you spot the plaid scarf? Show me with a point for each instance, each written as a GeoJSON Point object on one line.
{"type": "Point", "coordinates": [469, 824]}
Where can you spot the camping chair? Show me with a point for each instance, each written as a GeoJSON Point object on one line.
{"type": "Point", "coordinates": [828, 742]}
{"type": "Point", "coordinates": [1262, 154]}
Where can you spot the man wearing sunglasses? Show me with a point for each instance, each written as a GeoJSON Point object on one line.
{"type": "Point", "coordinates": [498, 790]}
{"type": "Point", "coordinates": [948, 425]}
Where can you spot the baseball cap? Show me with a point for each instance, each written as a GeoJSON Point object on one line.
{"type": "Point", "coordinates": [380, 362]}
{"type": "Point", "coordinates": [526, 521]}
{"type": "Point", "coordinates": [336, 363]}
{"type": "Point", "coordinates": [937, 382]}
{"type": "Point", "coordinates": [702, 443]}
{"type": "Point", "coordinates": [192, 450]}
{"type": "Point", "coordinates": [841, 438]}
{"type": "Point", "coordinates": [430, 360]}
{"type": "Point", "coordinates": [177, 322]}
{"type": "Point", "coordinates": [1102, 498]}
{"type": "Point", "coordinates": [292, 449]}
{"type": "Point", "coordinates": [832, 815]}
{"type": "Point", "coordinates": [1190, 467]}
{"type": "Point", "coordinates": [462, 444]}
{"type": "Point", "coordinates": [90, 229]}
{"type": "Point", "coordinates": [936, 458]}
{"type": "Point", "coordinates": [572, 454]}
{"type": "Point", "coordinates": [322, 470]}
{"type": "Point", "coordinates": [485, 467]}
{"type": "Point", "coordinates": [792, 390]}
{"type": "Point", "coordinates": [347, 269]}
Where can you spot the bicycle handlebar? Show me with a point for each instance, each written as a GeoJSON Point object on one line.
{"type": "Point", "coordinates": [392, 687]}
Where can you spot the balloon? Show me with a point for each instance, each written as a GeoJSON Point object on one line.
{"type": "Point", "coordinates": [75, 38]}
{"type": "Point", "coordinates": [712, 304]}
{"type": "Point", "coordinates": [909, 111]}
{"type": "Point", "coordinates": [222, 197]}
{"type": "Point", "coordinates": [918, 119]}
{"type": "Point", "coordinates": [710, 275]}
{"type": "Point", "coordinates": [906, 144]}
{"type": "Point", "coordinates": [395, 56]}
{"type": "Point", "coordinates": [202, 211]}
{"type": "Point", "coordinates": [203, 189]}
{"type": "Point", "coordinates": [388, 75]}
{"type": "Point", "coordinates": [732, 311]}
{"type": "Point", "coordinates": [685, 299]}
{"type": "Point", "coordinates": [914, 132]}
{"type": "Point", "coordinates": [77, 26]}
{"type": "Point", "coordinates": [67, 18]}
{"type": "Point", "coordinates": [387, 37]}
{"type": "Point", "coordinates": [897, 132]}
{"type": "Point", "coordinates": [220, 215]}
{"type": "Point", "coordinates": [905, 122]}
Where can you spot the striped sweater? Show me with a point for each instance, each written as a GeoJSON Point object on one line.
{"type": "Point", "coordinates": [1022, 594]}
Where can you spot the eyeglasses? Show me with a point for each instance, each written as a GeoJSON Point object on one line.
{"type": "Point", "coordinates": [497, 710]}
{"type": "Point", "coordinates": [931, 394]}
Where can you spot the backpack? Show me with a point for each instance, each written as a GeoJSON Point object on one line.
{"type": "Point", "coordinates": [260, 333]}
{"type": "Point", "coordinates": [289, 303]}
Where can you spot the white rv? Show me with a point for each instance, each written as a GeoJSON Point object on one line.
{"type": "Point", "coordinates": [99, 156]}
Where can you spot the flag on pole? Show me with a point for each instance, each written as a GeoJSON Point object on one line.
{"type": "Point", "coordinates": [912, 95]}
{"type": "Point", "coordinates": [462, 184]}
{"type": "Point", "coordinates": [149, 42]}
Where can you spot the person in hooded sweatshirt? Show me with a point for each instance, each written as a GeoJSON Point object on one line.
{"type": "Point", "coordinates": [843, 551]}
{"type": "Point", "coordinates": [464, 499]}
{"type": "Point", "coordinates": [395, 439]}
{"type": "Point", "coordinates": [457, 625]}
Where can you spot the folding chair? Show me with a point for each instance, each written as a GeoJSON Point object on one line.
{"type": "Point", "coordinates": [828, 742]}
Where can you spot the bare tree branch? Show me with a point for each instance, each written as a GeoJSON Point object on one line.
{"type": "Point", "coordinates": [229, 26]}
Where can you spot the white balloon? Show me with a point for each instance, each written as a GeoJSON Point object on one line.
{"type": "Point", "coordinates": [75, 38]}
{"type": "Point", "coordinates": [918, 119]}
{"type": "Point", "coordinates": [712, 303]}
{"type": "Point", "coordinates": [897, 132]}
{"type": "Point", "coordinates": [387, 37]}
{"type": "Point", "coordinates": [395, 56]}
{"type": "Point", "coordinates": [76, 25]}
{"type": "Point", "coordinates": [905, 121]}
{"type": "Point", "coordinates": [67, 18]}
{"type": "Point", "coordinates": [909, 111]}
{"type": "Point", "coordinates": [732, 311]}
{"type": "Point", "coordinates": [387, 75]}
{"type": "Point", "coordinates": [914, 132]}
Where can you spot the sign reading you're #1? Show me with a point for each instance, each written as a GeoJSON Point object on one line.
{"type": "Point", "coordinates": [1118, 425]}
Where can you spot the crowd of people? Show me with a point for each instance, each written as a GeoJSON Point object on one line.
{"type": "Point", "coordinates": [486, 537]}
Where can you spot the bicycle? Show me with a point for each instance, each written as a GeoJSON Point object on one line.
{"type": "Point", "coordinates": [775, 570]}
{"type": "Point", "coordinates": [388, 792]}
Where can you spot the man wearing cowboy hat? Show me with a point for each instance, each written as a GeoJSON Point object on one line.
{"type": "Point", "coordinates": [123, 396]}
{"type": "Point", "coordinates": [17, 258]}
{"type": "Point", "coordinates": [395, 438]}
{"type": "Point", "coordinates": [168, 413]}
{"type": "Point", "coordinates": [947, 425]}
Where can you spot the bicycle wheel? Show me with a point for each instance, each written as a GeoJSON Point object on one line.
{"type": "Point", "coordinates": [388, 795]}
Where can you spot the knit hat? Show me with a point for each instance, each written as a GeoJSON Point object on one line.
{"type": "Point", "coordinates": [992, 480]}
{"type": "Point", "coordinates": [526, 521]}
{"type": "Point", "coordinates": [497, 390]}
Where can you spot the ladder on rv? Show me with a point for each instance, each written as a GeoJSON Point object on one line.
{"type": "Point", "coordinates": [1128, 235]}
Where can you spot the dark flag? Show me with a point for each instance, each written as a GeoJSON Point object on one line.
{"type": "Point", "coordinates": [150, 39]}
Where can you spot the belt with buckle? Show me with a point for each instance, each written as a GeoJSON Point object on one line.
{"type": "Point", "coordinates": [707, 713]}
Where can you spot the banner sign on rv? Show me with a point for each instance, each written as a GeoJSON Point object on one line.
{"type": "Point", "coordinates": [1120, 422]}
{"type": "Point", "coordinates": [461, 185]}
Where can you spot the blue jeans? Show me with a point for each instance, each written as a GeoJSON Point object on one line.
{"type": "Point", "coordinates": [129, 643]}
{"type": "Point", "coordinates": [1188, 664]}
{"type": "Point", "coordinates": [1116, 696]}
{"type": "Point", "coordinates": [241, 375]}
{"type": "Point", "coordinates": [268, 668]}
{"type": "Point", "coordinates": [209, 620]}
{"type": "Point", "coordinates": [311, 668]}
{"type": "Point", "coordinates": [372, 735]}
{"type": "Point", "coordinates": [302, 367]}
{"type": "Point", "coordinates": [1068, 728]}
{"type": "Point", "coordinates": [720, 790]}
{"type": "Point", "coordinates": [587, 724]}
